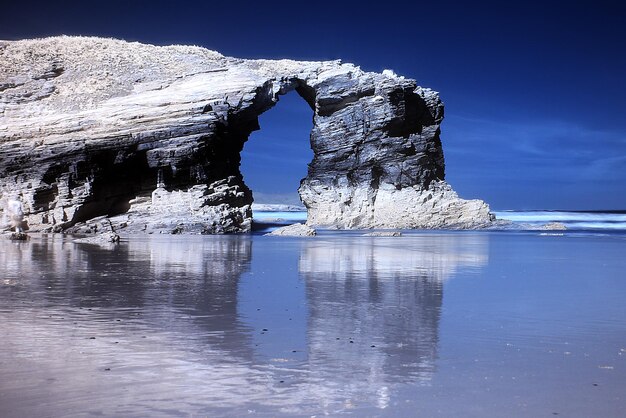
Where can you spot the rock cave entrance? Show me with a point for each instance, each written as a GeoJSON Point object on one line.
{"type": "Point", "coordinates": [275, 158]}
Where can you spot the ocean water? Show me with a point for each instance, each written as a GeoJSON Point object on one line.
{"type": "Point", "coordinates": [573, 220]}
{"type": "Point", "coordinates": [274, 219]}
{"type": "Point", "coordinates": [434, 324]}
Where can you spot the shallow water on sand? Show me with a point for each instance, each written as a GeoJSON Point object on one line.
{"type": "Point", "coordinates": [444, 324]}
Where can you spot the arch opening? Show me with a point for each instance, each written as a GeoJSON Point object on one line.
{"type": "Point", "coordinates": [275, 158]}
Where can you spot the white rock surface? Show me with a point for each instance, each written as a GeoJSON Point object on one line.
{"type": "Point", "coordinates": [554, 226]}
{"type": "Point", "coordinates": [294, 230]}
{"type": "Point", "coordinates": [100, 239]}
{"type": "Point", "coordinates": [383, 234]}
{"type": "Point", "coordinates": [150, 137]}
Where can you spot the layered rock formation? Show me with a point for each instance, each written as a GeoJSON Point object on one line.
{"type": "Point", "coordinates": [150, 137]}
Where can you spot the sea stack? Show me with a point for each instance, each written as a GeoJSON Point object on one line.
{"type": "Point", "coordinates": [150, 138]}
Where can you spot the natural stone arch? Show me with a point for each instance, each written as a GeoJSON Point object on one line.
{"type": "Point", "coordinates": [155, 144]}
{"type": "Point", "coordinates": [377, 154]}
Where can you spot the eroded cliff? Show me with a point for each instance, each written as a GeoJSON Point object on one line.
{"type": "Point", "coordinates": [149, 138]}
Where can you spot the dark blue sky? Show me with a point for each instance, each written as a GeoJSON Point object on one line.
{"type": "Point", "coordinates": [535, 92]}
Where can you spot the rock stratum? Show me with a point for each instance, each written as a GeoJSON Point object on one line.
{"type": "Point", "coordinates": [102, 133]}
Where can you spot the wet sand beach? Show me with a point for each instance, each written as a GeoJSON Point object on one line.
{"type": "Point", "coordinates": [474, 324]}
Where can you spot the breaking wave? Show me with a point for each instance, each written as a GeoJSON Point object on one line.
{"type": "Point", "coordinates": [573, 220]}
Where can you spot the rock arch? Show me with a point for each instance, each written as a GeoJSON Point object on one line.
{"type": "Point", "coordinates": [151, 137]}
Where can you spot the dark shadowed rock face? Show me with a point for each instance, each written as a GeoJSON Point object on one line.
{"type": "Point", "coordinates": [100, 133]}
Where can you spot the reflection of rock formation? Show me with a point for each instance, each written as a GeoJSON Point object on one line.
{"type": "Point", "coordinates": [218, 257]}
{"type": "Point", "coordinates": [433, 255]}
{"type": "Point", "coordinates": [375, 306]}
{"type": "Point", "coordinates": [197, 273]}
{"type": "Point", "coordinates": [37, 265]}
{"type": "Point", "coordinates": [184, 294]}
{"type": "Point", "coordinates": [159, 275]}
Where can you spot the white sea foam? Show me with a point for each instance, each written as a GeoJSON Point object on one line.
{"type": "Point", "coordinates": [272, 216]}
{"type": "Point", "coordinates": [610, 221]}
{"type": "Point", "coordinates": [614, 221]}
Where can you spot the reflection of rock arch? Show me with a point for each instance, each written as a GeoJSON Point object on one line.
{"type": "Point", "coordinates": [385, 295]}
{"type": "Point", "coordinates": [387, 289]}
{"type": "Point", "coordinates": [159, 142]}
